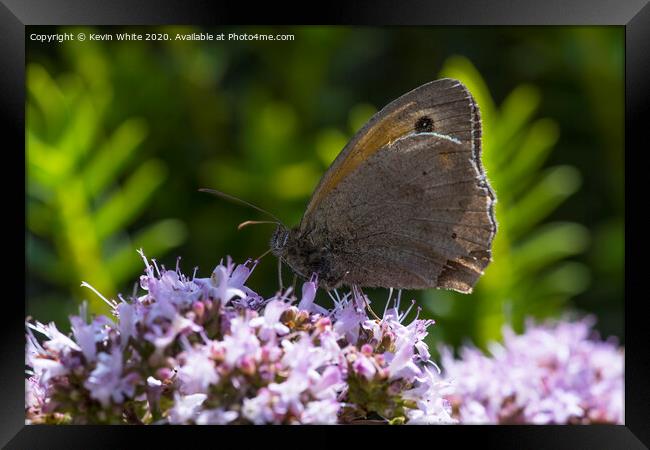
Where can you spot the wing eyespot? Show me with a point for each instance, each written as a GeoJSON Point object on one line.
{"type": "Point", "coordinates": [424, 125]}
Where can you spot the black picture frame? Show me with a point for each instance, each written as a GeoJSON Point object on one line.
{"type": "Point", "coordinates": [634, 15]}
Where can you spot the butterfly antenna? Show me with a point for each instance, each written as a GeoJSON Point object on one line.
{"type": "Point", "coordinates": [254, 222]}
{"type": "Point", "coordinates": [240, 201]}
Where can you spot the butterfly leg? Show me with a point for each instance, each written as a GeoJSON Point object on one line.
{"type": "Point", "coordinates": [295, 279]}
{"type": "Point", "coordinates": [365, 300]}
{"type": "Point", "coordinates": [280, 273]}
{"type": "Point", "coordinates": [372, 311]}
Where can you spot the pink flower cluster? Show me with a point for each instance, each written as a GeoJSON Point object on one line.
{"type": "Point", "coordinates": [554, 373]}
{"type": "Point", "coordinates": [212, 351]}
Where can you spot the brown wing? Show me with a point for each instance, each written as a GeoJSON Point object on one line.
{"type": "Point", "coordinates": [443, 106]}
{"type": "Point", "coordinates": [416, 212]}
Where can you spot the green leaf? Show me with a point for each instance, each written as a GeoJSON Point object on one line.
{"type": "Point", "coordinates": [81, 130]}
{"type": "Point", "coordinates": [46, 163]}
{"type": "Point", "coordinates": [155, 240]}
{"type": "Point", "coordinates": [48, 98]}
{"type": "Point", "coordinates": [516, 112]}
{"type": "Point", "coordinates": [568, 278]}
{"type": "Point", "coordinates": [553, 188]}
{"type": "Point", "coordinates": [537, 144]}
{"type": "Point", "coordinates": [123, 206]}
{"type": "Point", "coordinates": [547, 245]}
{"type": "Point", "coordinates": [113, 155]}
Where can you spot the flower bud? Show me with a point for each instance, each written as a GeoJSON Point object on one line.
{"type": "Point", "coordinates": [323, 324]}
{"type": "Point", "coordinates": [247, 365]}
{"type": "Point", "coordinates": [217, 352]}
{"type": "Point", "coordinates": [199, 309]}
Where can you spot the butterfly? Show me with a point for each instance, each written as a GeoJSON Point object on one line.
{"type": "Point", "coordinates": [406, 204]}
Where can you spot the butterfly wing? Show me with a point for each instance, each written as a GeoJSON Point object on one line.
{"type": "Point", "coordinates": [407, 204]}
{"type": "Point", "coordinates": [442, 106]}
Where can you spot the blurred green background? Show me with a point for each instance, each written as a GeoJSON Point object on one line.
{"type": "Point", "coordinates": [120, 135]}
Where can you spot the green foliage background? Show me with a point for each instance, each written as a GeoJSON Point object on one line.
{"type": "Point", "coordinates": [121, 135]}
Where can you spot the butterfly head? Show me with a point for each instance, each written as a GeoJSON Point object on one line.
{"type": "Point", "coordinates": [279, 240]}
